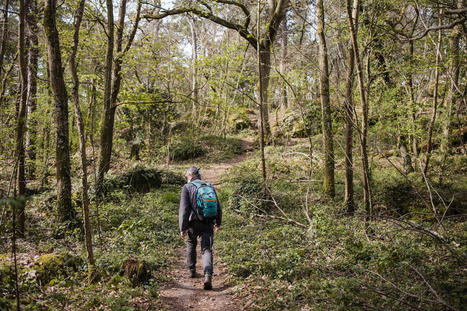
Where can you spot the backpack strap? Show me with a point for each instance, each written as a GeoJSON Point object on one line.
{"type": "Point", "coordinates": [198, 183]}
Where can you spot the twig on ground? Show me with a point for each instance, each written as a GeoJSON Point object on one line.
{"type": "Point", "coordinates": [398, 288]}
{"type": "Point", "coordinates": [265, 214]}
{"type": "Point", "coordinates": [282, 211]}
{"type": "Point", "coordinates": [440, 300]}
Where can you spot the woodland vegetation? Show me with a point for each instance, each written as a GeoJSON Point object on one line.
{"type": "Point", "coordinates": [352, 197]}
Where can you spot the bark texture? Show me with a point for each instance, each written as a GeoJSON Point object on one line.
{"type": "Point", "coordinates": [4, 35]}
{"type": "Point", "coordinates": [194, 69]}
{"type": "Point", "coordinates": [363, 102]}
{"type": "Point", "coordinates": [283, 61]}
{"type": "Point", "coordinates": [82, 139]}
{"type": "Point", "coordinates": [33, 60]}
{"type": "Point", "coordinates": [113, 80]}
{"type": "Point", "coordinates": [434, 107]}
{"type": "Point", "coordinates": [453, 78]}
{"type": "Point", "coordinates": [326, 123]}
{"type": "Point", "coordinates": [21, 114]}
{"type": "Point", "coordinates": [57, 83]}
{"type": "Point", "coordinates": [349, 124]}
{"type": "Point", "coordinates": [107, 120]}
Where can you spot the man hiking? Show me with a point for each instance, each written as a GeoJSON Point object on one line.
{"type": "Point", "coordinates": [200, 215]}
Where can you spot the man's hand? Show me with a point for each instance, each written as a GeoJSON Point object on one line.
{"type": "Point", "coordinates": [216, 228]}
{"type": "Point", "coordinates": [183, 234]}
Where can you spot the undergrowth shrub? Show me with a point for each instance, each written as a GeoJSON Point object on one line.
{"type": "Point", "coordinates": [211, 147]}
{"type": "Point", "coordinates": [229, 146]}
{"type": "Point", "coordinates": [137, 179]}
{"type": "Point", "coordinates": [398, 195]}
{"type": "Point", "coordinates": [248, 194]}
{"type": "Point", "coordinates": [171, 178]}
{"type": "Point", "coordinates": [186, 149]}
{"type": "Point", "coordinates": [395, 194]}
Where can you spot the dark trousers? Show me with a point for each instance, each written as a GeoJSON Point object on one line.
{"type": "Point", "coordinates": [206, 234]}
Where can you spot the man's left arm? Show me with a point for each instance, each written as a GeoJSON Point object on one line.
{"type": "Point", "coordinates": [184, 211]}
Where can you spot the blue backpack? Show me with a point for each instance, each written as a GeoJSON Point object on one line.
{"type": "Point", "coordinates": [206, 199]}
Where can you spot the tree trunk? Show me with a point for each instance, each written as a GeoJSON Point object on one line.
{"type": "Point", "coordinates": [265, 68]}
{"type": "Point", "coordinates": [46, 135]}
{"type": "Point", "coordinates": [92, 114]}
{"type": "Point", "coordinates": [45, 158]}
{"type": "Point", "coordinates": [453, 78]}
{"type": "Point", "coordinates": [32, 86]}
{"type": "Point", "coordinates": [22, 115]}
{"type": "Point", "coordinates": [106, 131]}
{"type": "Point", "coordinates": [115, 79]}
{"type": "Point", "coordinates": [434, 108]}
{"type": "Point", "coordinates": [412, 115]}
{"type": "Point", "coordinates": [82, 139]}
{"type": "Point", "coordinates": [194, 70]}
{"type": "Point", "coordinates": [62, 154]}
{"type": "Point", "coordinates": [284, 38]}
{"type": "Point", "coordinates": [349, 124]}
{"type": "Point", "coordinates": [406, 160]}
{"type": "Point", "coordinates": [4, 35]}
{"type": "Point", "coordinates": [261, 93]}
{"type": "Point", "coordinates": [363, 140]}
{"type": "Point", "coordinates": [326, 123]}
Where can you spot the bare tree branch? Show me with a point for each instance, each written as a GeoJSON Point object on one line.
{"type": "Point", "coordinates": [427, 30]}
{"type": "Point", "coordinates": [241, 29]}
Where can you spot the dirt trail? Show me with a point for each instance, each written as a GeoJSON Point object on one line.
{"type": "Point", "coordinates": [213, 173]}
{"type": "Point", "coordinates": [185, 293]}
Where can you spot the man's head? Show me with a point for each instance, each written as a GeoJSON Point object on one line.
{"type": "Point", "coordinates": [193, 173]}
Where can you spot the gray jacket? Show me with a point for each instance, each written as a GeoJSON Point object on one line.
{"type": "Point", "coordinates": [188, 206]}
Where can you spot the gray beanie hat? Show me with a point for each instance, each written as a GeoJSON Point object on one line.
{"type": "Point", "coordinates": [193, 171]}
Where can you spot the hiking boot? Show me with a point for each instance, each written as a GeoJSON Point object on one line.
{"type": "Point", "coordinates": [207, 281]}
{"type": "Point", "coordinates": [192, 273]}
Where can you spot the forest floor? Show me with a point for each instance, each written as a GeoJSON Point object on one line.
{"type": "Point", "coordinates": [185, 293]}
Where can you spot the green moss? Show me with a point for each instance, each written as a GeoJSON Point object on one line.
{"type": "Point", "coordinates": [53, 265]}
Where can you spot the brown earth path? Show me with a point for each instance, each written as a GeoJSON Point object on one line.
{"type": "Point", "coordinates": [184, 293]}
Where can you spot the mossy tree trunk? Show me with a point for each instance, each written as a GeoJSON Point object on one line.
{"type": "Point", "coordinates": [4, 38]}
{"type": "Point", "coordinates": [194, 69]}
{"type": "Point", "coordinates": [328, 179]}
{"type": "Point", "coordinates": [113, 80]}
{"type": "Point", "coordinates": [57, 83]}
{"type": "Point", "coordinates": [22, 114]}
{"type": "Point", "coordinates": [363, 102]}
{"type": "Point", "coordinates": [107, 120]}
{"type": "Point", "coordinates": [349, 124]}
{"type": "Point", "coordinates": [33, 60]}
{"type": "Point", "coordinates": [82, 139]}
{"type": "Point", "coordinates": [453, 95]}
{"type": "Point", "coordinates": [261, 93]}
{"type": "Point", "coordinates": [283, 61]}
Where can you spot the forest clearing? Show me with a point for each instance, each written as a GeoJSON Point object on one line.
{"type": "Point", "coordinates": [333, 132]}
